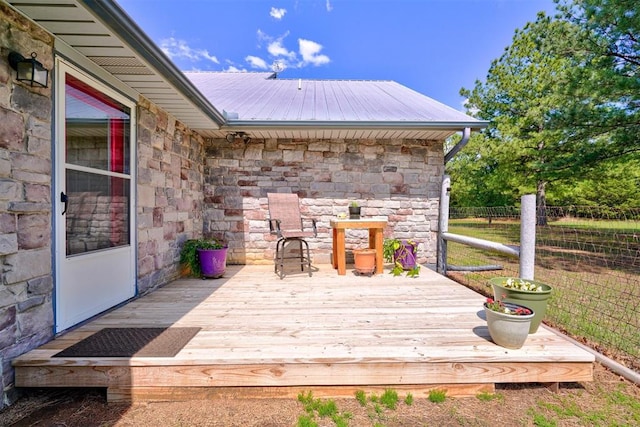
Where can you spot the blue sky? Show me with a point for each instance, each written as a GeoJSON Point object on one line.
{"type": "Point", "coordinates": [434, 47]}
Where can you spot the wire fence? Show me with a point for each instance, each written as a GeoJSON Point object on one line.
{"type": "Point", "coordinates": [589, 255]}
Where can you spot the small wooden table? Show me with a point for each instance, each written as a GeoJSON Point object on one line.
{"type": "Point", "coordinates": [376, 229]}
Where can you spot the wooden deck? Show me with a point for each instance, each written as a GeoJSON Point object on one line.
{"type": "Point", "coordinates": [330, 334]}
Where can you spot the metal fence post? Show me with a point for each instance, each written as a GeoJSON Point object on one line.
{"type": "Point", "coordinates": [527, 236]}
{"type": "Point", "coordinates": [443, 225]}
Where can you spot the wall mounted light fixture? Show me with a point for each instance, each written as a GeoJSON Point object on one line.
{"type": "Point", "coordinates": [29, 69]}
{"type": "Point", "coordinates": [231, 137]}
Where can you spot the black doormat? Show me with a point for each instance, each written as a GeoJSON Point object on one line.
{"type": "Point", "coordinates": [129, 342]}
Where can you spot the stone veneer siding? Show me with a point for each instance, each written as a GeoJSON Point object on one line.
{"type": "Point", "coordinates": [170, 175]}
{"type": "Point", "coordinates": [170, 163]}
{"type": "Point", "coordinates": [397, 178]}
{"type": "Point", "coordinates": [26, 310]}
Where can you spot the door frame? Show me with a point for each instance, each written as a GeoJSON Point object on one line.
{"type": "Point", "coordinates": [62, 68]}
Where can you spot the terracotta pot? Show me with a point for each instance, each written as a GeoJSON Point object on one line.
{"type": "Point", "coordinates": [364, 260]}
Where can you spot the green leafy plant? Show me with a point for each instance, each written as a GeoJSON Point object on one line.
{"type": "Point", "coordinates": [389, 398]}
{"type": "Point", "coordinates": [437, 396]}
{"type": "Point", "coordinates": [307, 400]}
{"type": "Point", "coordinates": [389, 248]}
{"type": "Point", "coordinates": [377, 405]}
{"type": "Point", "coordinates": [306, 421]}
{"type": "Point", "coordinates": [540, 420]}
{"type": "Point", "coordinates": [327, 408]}
{"type": "Point", "coordinates": [506, 308]}
{"type": "Point", "coordinates": [488, 397]}
{"type": "Point", "coordinates": [521, 285]}
{"type": "Point", "coordinates": [354, 210]}
{"type": "Point", "coordinates": [408, 400]}
{"type": "Point", "coordinates": [189, 252]}
{"type": "Point", "coordinates": [323, 408]}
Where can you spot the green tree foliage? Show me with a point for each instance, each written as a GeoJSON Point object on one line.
{"type": "Point", "coordinates": [519, 97]}
{"type": "Point", "coordinates": [477, 178]}
{"type": "Point", "coordinates": [613, 183]}
{"type": "Point", "coordinates": [564, 106]}
{"type": "Point", "coordinates": [603, 93]}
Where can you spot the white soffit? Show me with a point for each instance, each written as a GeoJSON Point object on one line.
{"type": "Point", "coordinates": [103, 33]}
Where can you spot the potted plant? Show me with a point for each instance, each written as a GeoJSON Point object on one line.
{"type": "Point", "coordinates": [206, 258]}
{"type": "Point", "coordinates": [354, 210]}
{"type": "Point", "coordinates": [364, 261]}
{"type": "Point", "coordinates": [508, 323]}
{"type": "Point", "coordinates": [402, 253]}
{"type": "Point", "coordinates": [529, 293]}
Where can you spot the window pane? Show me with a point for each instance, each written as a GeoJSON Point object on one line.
{"type": "Point", "coordinates": [97, 129]}
{"type": "Point", "coordinates": [97, 214]}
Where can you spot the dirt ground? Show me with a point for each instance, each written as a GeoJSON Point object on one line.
{"type": "Point", "coordinates": [608, 400]}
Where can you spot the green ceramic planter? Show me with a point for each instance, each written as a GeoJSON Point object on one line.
{"type": "Point", "coordinates": [536, 301]}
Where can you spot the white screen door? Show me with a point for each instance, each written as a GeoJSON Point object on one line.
{"type": "Point", "coordinates": [95, 242]}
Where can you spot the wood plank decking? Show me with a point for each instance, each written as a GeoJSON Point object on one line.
{"type": "Point", "coordinates": [327, 333]}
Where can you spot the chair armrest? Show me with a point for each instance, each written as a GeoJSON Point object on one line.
{"type": "Point", "coordinates": [313, 225]}
{"type": "Point", "coordinates": [274, 226]}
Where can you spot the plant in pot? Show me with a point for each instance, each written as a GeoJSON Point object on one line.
{"type": "Point", "coordinates": [354, 210]}
{"type": "Point", "coordinates": [402, 253]}
{"type": "Point", "coordinates": [529, 293]}
{"type": "Point", "coordinates": [508, 323]}
{"type": "Point", "coordinates": [206, 258]}
{"type": "Point", "coordinates": [364, 261]}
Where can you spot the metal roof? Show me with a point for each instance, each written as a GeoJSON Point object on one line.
{"type": "Point", "coordinates": [257, 103]}
{"type": "Point", "coordinates": [105, 34]}
{"type": "Point", "coordinates": [253, 101]}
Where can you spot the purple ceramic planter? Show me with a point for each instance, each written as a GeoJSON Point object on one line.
{"type": "Point", "coordinates": [212, 262]}
{"type": "Point", "coordinates": [406, 255]}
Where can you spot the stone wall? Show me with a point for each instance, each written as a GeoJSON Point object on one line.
{"type": "Point", "coordinates": [170, 162]}
{"type": "Point", "coordinates": [170, 175]}
{"type": "Point", "coordinates": [399, 179]}
{"type": "Point", "coordinates": [26, 311]}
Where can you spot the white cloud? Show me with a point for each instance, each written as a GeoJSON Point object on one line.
{"type": "Point", "coordinates": [175, 48]}
{"type": "Point", "coordinates": [310, 52]}
{"type": "Point", "coordinates": [262, 37]}
{"type": "Point", "coordinates": [329, 6]}
{"type": "Point", "coordinates": [256, 62]}
{"type": "Point", "coordinates": [233, 69]}
{"type": "Point", "coordinates": [276, 48]}
{"type": "Point", "coordinates": [277, 13]}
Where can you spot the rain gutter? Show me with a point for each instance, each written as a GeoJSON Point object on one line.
{"type": "Point", "coordinates": [117, 20]}
{"type": "Point", "coordinates": [466, 134]}
{"type": "Point", "coordinates": [359, 124]}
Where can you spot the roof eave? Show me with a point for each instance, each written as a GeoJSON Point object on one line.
{"type": "Point", "coordinates": [398, 125]}
{"type": "Point", "coordinates": [114, 17]}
